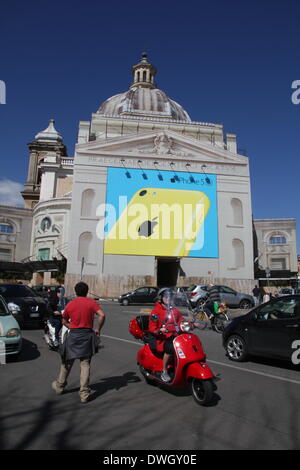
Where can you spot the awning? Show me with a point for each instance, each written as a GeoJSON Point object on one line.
{"type": "Point", "coordinates": [32, 266]}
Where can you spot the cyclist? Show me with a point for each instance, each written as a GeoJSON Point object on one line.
{"type": "Point", "coordinates": [213, 300]}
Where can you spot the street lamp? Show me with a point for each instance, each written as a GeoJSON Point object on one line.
{"type": "Point", "coordinates": [82, 265]}
{"type": "Point", "coordinates": [268, 274]}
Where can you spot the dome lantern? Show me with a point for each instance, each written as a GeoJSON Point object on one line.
{"type": "Point", "coordinates": [143, 73]}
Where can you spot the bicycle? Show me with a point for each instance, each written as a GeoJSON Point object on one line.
{"type": "Point", "coordinates": [203, 318]}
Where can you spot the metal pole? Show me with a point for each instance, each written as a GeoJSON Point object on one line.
{"type": "Point", "coordinates": [82, 265]}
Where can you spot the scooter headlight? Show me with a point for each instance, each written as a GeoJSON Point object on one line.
{"type": "Point", "coordinates": [185, 326]}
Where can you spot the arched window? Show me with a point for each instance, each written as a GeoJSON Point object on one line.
{"type": "Point", "coordinates": [277, 240]}
{"type": "Point", "coordinates": [237, 211]}
{"type": "Point", "coordinates": [144, 76]}
{"type": "Point", "coordinates": [238, 252]}
{"type": "Point", "coordinates": [87, 203]}
{"type": "Point", "coordinates": [6, 228]}
{"type": "Point", "coordinates": [84, 247]}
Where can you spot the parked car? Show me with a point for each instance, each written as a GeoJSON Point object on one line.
{"type": "Point", "coordinates": [24, 303]}
{"type": "Point", "coordinates": [142, 295]}
{"type": "Point", "coordinates": [42, 290]}
{"type": "Point", "coordinates": [229, 296]}
{"type": "Point", "coordinates": [10, 333]}
{"type": "Point", "coordinates": [268, 330]}
{"type": "Point", "coordinates": [182, 297]}
{"type": "Point", "coordinates": [197, 292]}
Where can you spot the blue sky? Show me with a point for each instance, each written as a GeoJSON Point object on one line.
{"type": "Point", "coordinates": [227, 62]}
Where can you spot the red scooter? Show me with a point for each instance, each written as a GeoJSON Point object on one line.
{"type": "Point", "coordinates": [189, 366]}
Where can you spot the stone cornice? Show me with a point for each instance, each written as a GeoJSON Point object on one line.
{"type": "Point", "coordinates": [161, 145]}
{"type": "Point", "coordinates": [52, 203]}
{"type": "Point", "coordinates": [98, 117]}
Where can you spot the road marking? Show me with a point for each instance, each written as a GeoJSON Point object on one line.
{"type": "Point", "coordinates": [270, 376]}
{"type": "Point", "coordinates": [120, 339]}
{"type": "Point", "coordinates": [277, 377]}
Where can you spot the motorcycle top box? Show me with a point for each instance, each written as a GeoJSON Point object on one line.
{"type": "Point", "coordinates": [138, 326]}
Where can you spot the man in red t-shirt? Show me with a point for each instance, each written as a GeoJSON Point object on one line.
{"type": "Point", "coordinates": [78, 317]}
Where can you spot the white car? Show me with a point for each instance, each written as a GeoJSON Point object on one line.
{"type": "Point", "coordinates": [10, 333]}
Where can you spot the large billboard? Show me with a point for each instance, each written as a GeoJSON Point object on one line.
{"type": "Point", "coordinates": [161, 213]}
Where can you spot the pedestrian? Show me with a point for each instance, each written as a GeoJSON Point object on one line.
{"type": "Point", "coordinates": [213, 299]}
{"type": "Point", "coordinates": [256, 294]}
{"type": "Point", "coordinates": [80, 342]}
{"type": "Point", "coordinates": [262, 294]}
{"type": "Point", "coordinates": [52, 299]}
{"type": "Point", "coordinates": [56, 307]}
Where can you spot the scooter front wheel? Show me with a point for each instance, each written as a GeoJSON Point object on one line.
{"type": "Point", "coordinates": [202, 391]}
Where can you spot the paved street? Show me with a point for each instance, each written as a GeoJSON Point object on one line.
{"type": "Point", "coordinates": [255, 405]}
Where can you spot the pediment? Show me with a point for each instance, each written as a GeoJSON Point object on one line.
{"type": "Point", "coordinates": [161, 144]}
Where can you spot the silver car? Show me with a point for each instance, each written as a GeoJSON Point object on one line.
{"type": "Point", "coordinates": [232, 298]}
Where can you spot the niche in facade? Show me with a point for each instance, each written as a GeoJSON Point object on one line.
{"type": "Point", "coordinates": [85, 247]}
{"type": "Point", "coordinates": [237, 211]}
{"type": "Point", "coordinates": [238, 253]}
{"type": "Point", "coordinates": [87, 203]}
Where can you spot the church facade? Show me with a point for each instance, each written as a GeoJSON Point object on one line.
{"type": "Point", "coordinates": [150, 197]}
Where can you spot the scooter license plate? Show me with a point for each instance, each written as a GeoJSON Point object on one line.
{"type": "Point", "coordinates": [34, 315]}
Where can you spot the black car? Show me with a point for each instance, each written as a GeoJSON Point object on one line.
{"type": "Point", "coordinates": [269, 330]}
{"type": "Point", "coordinates": [142, 295]}
{"type": "Point", "coordinates": [24, 303]}
{"type": "Point", "coordinates": [42, 290]}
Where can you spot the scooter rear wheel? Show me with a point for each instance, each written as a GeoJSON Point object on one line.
{"type": "Point", "coordinates": [202, 391]}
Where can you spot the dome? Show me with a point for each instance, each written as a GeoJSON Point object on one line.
{"type": "Point", "coordinates": [143, 102]}
{"type": "Point", "coordinates": [50, 134]}
{"type": "Point", "coordinates": [143, 98]}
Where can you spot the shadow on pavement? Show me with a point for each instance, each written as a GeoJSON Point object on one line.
{"type": "Point", "coordinates": [110, 383]}
{"type": "Point", "coordinates": [29, 352]}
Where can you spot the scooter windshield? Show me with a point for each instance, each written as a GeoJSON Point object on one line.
{"type": "Point", "coordinates": [175, 299]}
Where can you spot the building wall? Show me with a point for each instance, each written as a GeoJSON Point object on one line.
{"type": "Point", "coordinates": [54, 238]}
{"type": "Point", "coordinates": [17, 242]}
{"type": "Point", "coordinates": [268, 252]}
{"type": "Point", "coordinates": [112, 274]}
{"type": "Point", "coordinates": [63, 186]}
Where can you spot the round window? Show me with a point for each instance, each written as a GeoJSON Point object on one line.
{"type": "Point", "coordinates": [45, 224]}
